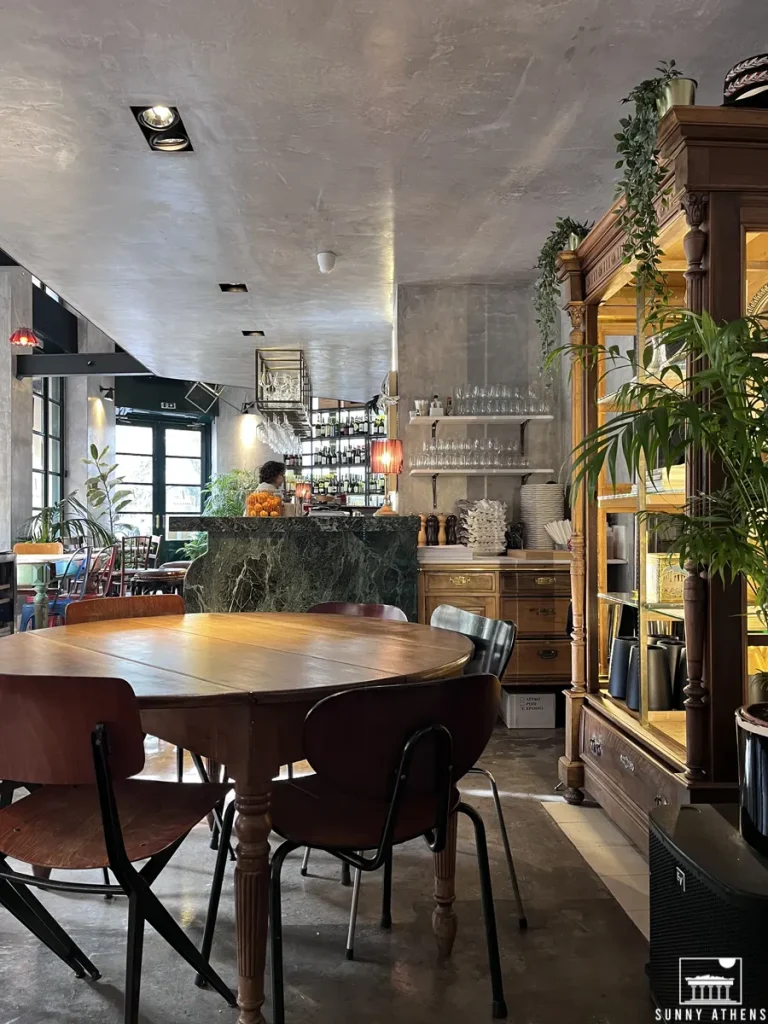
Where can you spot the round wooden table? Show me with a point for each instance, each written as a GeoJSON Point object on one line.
{"type": "Point", "coordinates": [236, 688]}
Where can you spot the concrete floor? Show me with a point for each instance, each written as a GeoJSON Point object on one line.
{"type": "Point", "coordinates": [581, 960]}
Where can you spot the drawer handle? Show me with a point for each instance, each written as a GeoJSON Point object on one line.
{"type": "Point", "coordinates": [627, 762]}
{"type": "Point", "coordinates": [542, 611]}
{"type": "Point", "coordinates": [596, 746]}
{"type": "Point", "coordinates": [545, 581]}
{"type": "Point", "coordinates": [460, 581]}
{"type": "Point", "coordinates": [547, 653]}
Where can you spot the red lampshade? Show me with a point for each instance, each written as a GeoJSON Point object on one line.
{"type": "Point", "coordinates": [387, 456]}
{"type": "Point", "coordinates": [25, 337]}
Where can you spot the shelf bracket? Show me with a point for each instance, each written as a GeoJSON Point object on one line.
{"type": "Point", "coordinates": [434, 429]}
{"type": "Point", "coordinates": [434, 488]}
{"type": "Point", "coordinates": [523, 425]}
{"type": "Point", "coordinates": [525, 478]}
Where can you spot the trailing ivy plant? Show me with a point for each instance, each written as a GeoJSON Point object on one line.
{"type": "Point", "coordinates": [640, 185]}
{"type": "Point", "coordinates": [547, 288]}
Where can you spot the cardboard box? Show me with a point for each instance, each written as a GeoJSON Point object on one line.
{"type": "Point", "coordinates": [522, 709]}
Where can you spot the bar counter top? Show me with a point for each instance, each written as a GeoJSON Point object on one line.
{"type": "Point", "coordinates": [291, 564]}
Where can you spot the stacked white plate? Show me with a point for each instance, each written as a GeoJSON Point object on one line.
{"type": "Point", "coordinates": [540, 504]}
{"type": "Point", "coordinates": [486, 527]}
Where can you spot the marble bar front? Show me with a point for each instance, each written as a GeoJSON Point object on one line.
{"type": "Point", "coordinates": [278, 565]}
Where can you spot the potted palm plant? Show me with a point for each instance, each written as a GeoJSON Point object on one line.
{"type": "Point", "coordinates": [712, 396]}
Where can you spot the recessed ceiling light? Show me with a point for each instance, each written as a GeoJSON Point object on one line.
{"type": "Point", "coordinates": [159, 118]}
{"type": "Point", "coordinates": [228, 287]}
{"type": "Point", "coordinates": [253, 334]}
{"type": "Point", "coordinates": [169, 143]}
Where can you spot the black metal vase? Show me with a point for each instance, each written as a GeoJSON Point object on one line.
{"type": "Point", "coordinates": [752, 733]}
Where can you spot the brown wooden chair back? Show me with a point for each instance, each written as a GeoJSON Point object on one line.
{"type": "Point", "coordinates": [101, 571]}
{"type": "Point", "coordinates": [370, 727]}
{"type": "Point", "coordinates": [134, 554]}
{"type": "Point", "coordinates": [99, 609]}
{"type": "Point", "coordinates": [46, 724]}
{"type": "Point", "coordinates": [34, 548]}
{"type": "Point", "coordinates": [369, 611]}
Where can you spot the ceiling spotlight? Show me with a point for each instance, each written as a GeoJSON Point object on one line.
{"type": "Point", "coordinates": [109, 393]}
{"type": "Point", "coordinates": [159, 118]}
{"type": "Point", "coordinates": [326, 261]}
{"type": "Point", "coordinates": [253, 334]}
{"type": "Point", "coordinates": [169, 143]}
{"type": "Point", "coordinates": [229, 287]}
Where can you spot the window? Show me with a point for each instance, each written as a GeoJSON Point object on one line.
{"type": "Point", "coordinates": [47, 424]}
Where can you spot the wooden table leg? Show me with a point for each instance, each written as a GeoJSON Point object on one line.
{"type": "Point", "coordinates": [443, 916]}
{"type": "Point", "coordinates": [252, 896]}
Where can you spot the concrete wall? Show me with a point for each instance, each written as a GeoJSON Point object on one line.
{"type": "Point", "coordinates": [479, 334]}
{"type": "Point", "coordinates": [15, 409]}
{"type": "Point", "coordinates": [234, 435]}
{"type": "Point", "coordinates": [89, 418]}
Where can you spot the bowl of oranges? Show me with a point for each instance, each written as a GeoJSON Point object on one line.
{"type": "Point", "coordinates": [264, 505]}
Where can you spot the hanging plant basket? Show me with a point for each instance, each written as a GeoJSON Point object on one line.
{"type": "Point", "coordinates": [567, 234]}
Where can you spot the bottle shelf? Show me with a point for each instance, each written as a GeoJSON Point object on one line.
{"type": "Point", "coordinates": [524, 417]}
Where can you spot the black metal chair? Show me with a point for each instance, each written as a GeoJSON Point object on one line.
{"type": "Point", "coordinates": [494, 642]}
{"type": "Point", "coordinates": [414, 743]}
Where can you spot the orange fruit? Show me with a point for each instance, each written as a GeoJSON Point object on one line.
{"type": "Point", "coordinates": [264, 515]}
{"type": "Point", "coordinates": [275, 515]}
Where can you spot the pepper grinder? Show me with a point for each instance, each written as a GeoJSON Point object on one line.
{"type": "Point", "coordinates": [422, 539]}
{"type": "Point", "coordinates": [441, 540]}
{"type": "Point", "coordinates": [433, 528]}
{"type": "Point", "coordinates": [451, 530]}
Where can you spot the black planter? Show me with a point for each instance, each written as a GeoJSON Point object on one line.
{"type": "Point", "coordinates": [633, 679]}
{"type": "Point", "coordinates": [752, 732]}
{"type": "Point", "coordinates": [617, 674]}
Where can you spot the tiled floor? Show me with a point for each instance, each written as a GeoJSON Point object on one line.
{"type": "Point", "coordinates": [610, 854]}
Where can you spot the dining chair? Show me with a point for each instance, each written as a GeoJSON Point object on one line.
{"type": "Point", "coordinates": [79, 741]}
{"type": "Point", "coordinates": [389, 612]}
{"type": "Point", "coordinates": [494, 642]}
{"type": "Point", "coordinates": [134, 555]}
{"type": "Point", "coordinates": [38, 548]}
{"type": "Point", "coordinates": [368, 611]}
{"type": "Point", "coordinates": [414, 742]}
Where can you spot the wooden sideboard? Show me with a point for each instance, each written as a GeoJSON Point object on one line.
{"type": "Point", "coordinates": [536, 598]}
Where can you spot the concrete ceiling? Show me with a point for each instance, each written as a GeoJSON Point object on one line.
{"type": "Point", "coordinates": [421, 141]}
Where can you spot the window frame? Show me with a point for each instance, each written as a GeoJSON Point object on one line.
{"type": "Point", "coordinates": [47, 434]}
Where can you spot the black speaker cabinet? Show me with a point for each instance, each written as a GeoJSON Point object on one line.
{"type": "Point", "coordinates": [709, 914]}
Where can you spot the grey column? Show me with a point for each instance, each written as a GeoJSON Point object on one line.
{"type": "Point", "coordinates": [15, 409]}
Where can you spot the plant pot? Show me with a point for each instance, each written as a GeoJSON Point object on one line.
{"type": "Point", "coordinates": [619, 666]}
{"type": "Point", "coordinates": [574, 241]}
{"type": "Point", "coordinates": [752, 733]}
{"type": "Point", "coordinates": [678, 92]}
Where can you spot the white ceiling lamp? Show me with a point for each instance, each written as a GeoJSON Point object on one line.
{"type": "Point", "coordinates": [159, 118]}
{"type": "Point", "coordinates": [326, 261]}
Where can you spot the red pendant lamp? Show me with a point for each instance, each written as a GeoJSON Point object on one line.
{"type": "Point", "coordinates": [25, 337]}
{"type": "Point", "coordinates": [387, 456]}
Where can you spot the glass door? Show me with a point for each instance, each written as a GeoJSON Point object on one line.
{"type": "Point", "coordinates": [166, 466]}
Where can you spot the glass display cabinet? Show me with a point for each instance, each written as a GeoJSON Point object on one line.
{"type": "Point", "coordinates": [661, 655]}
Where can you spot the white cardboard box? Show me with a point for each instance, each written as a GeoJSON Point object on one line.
{"type": "Point", "coordinates": [521, 710]}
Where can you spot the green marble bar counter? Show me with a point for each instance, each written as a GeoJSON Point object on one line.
{"type": "Point", "coordinates": [289, 565]}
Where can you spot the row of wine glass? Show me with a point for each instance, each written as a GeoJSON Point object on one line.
{"type": "Point", "coordinates": [484, 453]}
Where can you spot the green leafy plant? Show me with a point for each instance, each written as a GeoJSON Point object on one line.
{"type": "Point", "coordinates": [105, 491]}
{"type": "Point", "coordinates": [547, 288]}
{"type": "Point", "coordinates": [717, 408]}
{"type": "Point", "coordinates": [641, 184]}
{"type": "Point", "coordinates": [67, 520]}
{"type": "Point", "coordinates": [225, 493]}
{"type": "Point", "coordinates": [196, 546]}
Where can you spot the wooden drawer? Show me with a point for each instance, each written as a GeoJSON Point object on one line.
{"type": "Point", "coordinates": [646, 782]}
{"type": "Point", "coordinates": [536, 616]}
{"type": "Point", "coordinates": [475, 603]}
{"type": "Point", "coordinates": [538, 582]}
{"type": "Point", "coordinates": [539, 660]}
{"type": "Point", "coordinates": [468, 582]}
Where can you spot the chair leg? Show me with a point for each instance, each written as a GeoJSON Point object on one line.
{"type": "Point", "coordinates": [276, 930]}
{"type": "Point", "coordinates": [353, 915]}
{"type": "Point", "coordinates": [305, 862]}
{"type": "Point", "coordinates": [216, 884]}
{"type": "Point", "coordinates": [386, 895]}
{"type": "Point", "coordinates": [107, 895]}
{"type": "Point", "coordinates": [489, 914]}
{"type": "Point", "coordinates": [133, 956]}
{"type": "Point", "coordinates": [154, 913]}
{"type": "Point", "coordinates": [179, 764]}
{"type": "Point", "coordinates": [521, 918]}
{"type": "Point", "coordinates": [346, 876]}
{"type": "Point", "coordinates": [20, 903]}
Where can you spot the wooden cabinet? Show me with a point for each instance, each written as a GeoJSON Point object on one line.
{"type": "Point", "coordinates": [534, 598]}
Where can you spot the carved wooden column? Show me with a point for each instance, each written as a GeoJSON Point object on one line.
{"type": "Point", "coordinates": [570, 767]}
{"type": "Point", "coordinates": [695, 205]}
{"type": "Point", "coordinates": [444, 922]}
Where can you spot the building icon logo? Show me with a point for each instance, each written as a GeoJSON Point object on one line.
{"type": "Point", "coordinates": [710, 981]}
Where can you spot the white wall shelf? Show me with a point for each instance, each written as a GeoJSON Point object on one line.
{"type": "Point", "coordinates": [501, 420]}
{"type": "Point", "coordinates": [458, 471]}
